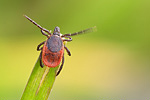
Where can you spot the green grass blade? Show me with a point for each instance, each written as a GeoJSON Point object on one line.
{"type": "Point", "coordinates": [40, 83]}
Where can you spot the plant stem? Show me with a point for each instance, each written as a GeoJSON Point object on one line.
{"type": "Point", "coordinates": [40, 83]}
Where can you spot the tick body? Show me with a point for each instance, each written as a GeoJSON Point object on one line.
{"type": "Point", "coordinates": [52, 51]}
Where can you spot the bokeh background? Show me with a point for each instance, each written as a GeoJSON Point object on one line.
{"type": "Point", "coordinates": [110, 64]}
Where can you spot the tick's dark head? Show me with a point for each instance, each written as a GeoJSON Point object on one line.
{"type": "Point", "coordinates": [56, 31]}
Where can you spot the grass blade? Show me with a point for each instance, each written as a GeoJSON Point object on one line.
{"type": "Point", "coordinates": [40, 83]}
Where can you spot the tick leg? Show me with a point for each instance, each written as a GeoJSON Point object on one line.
{"type": "Point", "coordinates": [67, 50]}
{"type": "Point", "coordinates": [68, 40]}
{"type": "Point", "coordinates": [37, 25]}
{"type": "Point", "coordinates": [38, 47]}
{"type": "Point", "coordinates": [60, 66]}
{"type": "Point", "coordinates": [44, 33]}
{"type": "Point", "coordinates": [41, 64]}
{"type": "Point", "coordinates": [92, 29]}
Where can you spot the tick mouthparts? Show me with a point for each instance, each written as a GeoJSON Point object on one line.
{"type": "Point", "coordinates": [57, 29]}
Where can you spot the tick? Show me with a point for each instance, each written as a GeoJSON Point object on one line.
{"type": "Point", "coordinates": [52, 51]}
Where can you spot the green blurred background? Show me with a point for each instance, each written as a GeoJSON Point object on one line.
{"type": "Point", "coordinates": [110, 64]}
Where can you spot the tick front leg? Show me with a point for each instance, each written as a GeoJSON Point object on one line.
{"type": "Point", "coordinates": [68, 40]}
{"type": "Point", "coordinates": [38, 25]}
{"type": "Point", "coordinates": [38, 47]}
{"type": "Point", "coordinates": [67, 50]}
{"type": "Point", "coordinates": [60, 66]}
{"type": "Point", "coordinates": [92, 29]}
{"type": "Point", "coordinates": [41, 63]}
{"type": "Point", "coordinates": [42, 31]}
